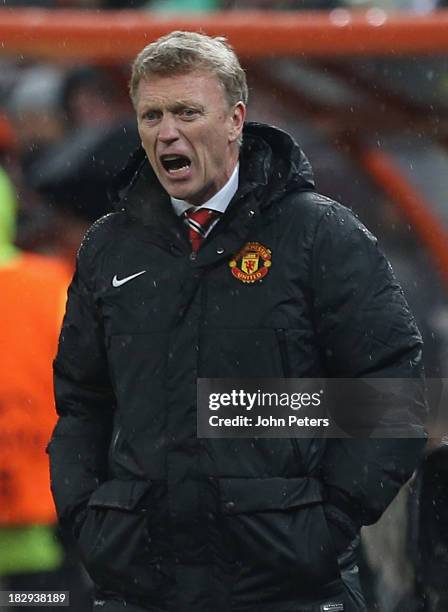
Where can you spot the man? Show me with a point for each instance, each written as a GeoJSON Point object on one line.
{"type": "Point", "coordinates": [166, 521]}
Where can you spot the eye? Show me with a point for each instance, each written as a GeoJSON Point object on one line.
{"type": "Point", "coordinates": [151, 116]}
{"type": "Point", "coordinates": [188, 113]}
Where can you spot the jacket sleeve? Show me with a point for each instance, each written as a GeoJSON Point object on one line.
{"type": "Point", "coordinates": [84, 402]}
{"type": "Point", "coordinates": [366, 329]}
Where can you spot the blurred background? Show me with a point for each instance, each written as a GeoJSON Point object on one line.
{"type": "Point", "coordinates": [361, 84]}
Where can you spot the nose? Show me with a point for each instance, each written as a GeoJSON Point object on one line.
{"type": "Point", "coordinates": [168, 131]}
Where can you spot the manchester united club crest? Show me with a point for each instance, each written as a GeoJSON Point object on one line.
{"type": "Point", "coordinates": [252, 263]}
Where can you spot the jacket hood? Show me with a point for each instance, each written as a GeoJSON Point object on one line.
{"type": "Point", "coordinates": [270, 158]}
{"type": "Point", "coordinates": [286, 165]}
{"type": "Point", "coordinates": [8, 212]}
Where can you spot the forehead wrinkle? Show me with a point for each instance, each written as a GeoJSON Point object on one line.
{"type": "Point", "coordinates": [158, 104]}
{"type": "Point", "coordinates": [185, 103]}
{"type": "Point", "coordinates": [159, 91]}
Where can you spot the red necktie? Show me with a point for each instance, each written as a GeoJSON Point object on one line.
{"type": "Point", "coordinates": [198, 222]}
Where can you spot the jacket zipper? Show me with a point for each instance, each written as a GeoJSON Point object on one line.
{"type": "Point", "coordinates": [114, 444]}
{"type": "Point", "coordinates": [282, 339]}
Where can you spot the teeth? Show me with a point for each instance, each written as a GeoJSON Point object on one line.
{"type": "Point", "coordinates": [174, 171]}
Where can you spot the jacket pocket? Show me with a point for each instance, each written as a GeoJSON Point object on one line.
{"type": "Point", "coordinates": [297, 350]}
{"type": "Point", "coordinates": [116, 539]}
{"type": "Point", "coordinates": [279, 534]}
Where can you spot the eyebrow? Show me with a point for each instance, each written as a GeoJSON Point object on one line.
{"type": "Point", "coordinates": [176, 106]}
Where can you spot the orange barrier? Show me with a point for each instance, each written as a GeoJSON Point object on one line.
{"type": "Point", "coordinates": [382, 168]}
{"type": "Point", "coordinates": [118, 35]}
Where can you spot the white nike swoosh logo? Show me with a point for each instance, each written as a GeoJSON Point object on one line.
{"type": "Point", "coordinates": [118, 282]}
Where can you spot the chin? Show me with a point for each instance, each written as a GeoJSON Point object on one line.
{"type": "Point", "coordinates": [177, 191]}
{"type": "Point", "coordinates": [179, 195]}
{"type": "Point", "coordinates": [187, 193]}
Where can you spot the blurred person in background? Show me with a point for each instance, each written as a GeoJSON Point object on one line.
{"type": "Point", "coordinates": [73, 179]}
{"type": "Point", "coordinates": [33, 290]}
{"type": "Point", "coordinates": [34, 108]}
{"type": "Point", "coordinates": [165, 521]}
{"type": "Point", "coordinates": [93, 97]}
{"type": "Point", "coordinates": [72, 133]}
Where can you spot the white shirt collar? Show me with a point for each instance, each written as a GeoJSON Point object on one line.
{"type": "Point", "coordinates": [218, 202]}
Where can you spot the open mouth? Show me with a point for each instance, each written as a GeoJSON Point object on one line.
{"type": "Point", "coordinates": [175, 164]}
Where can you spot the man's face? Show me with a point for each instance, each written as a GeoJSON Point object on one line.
{"type": "Point", "coordinates": [189, 133]}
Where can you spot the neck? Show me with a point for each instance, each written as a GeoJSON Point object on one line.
{"type": "Point", "coordinates": [229, 171]}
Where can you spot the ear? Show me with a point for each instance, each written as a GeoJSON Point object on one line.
{"type": "Point", "coordinates": [237, 121]}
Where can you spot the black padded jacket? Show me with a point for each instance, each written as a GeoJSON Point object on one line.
{"type": "Point", "coordinates": [176, 523]}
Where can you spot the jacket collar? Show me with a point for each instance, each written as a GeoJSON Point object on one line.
{"type": "Point", "coordinates": [270, 164]}
{"type": "Point", "coordinates": [138, 191]}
